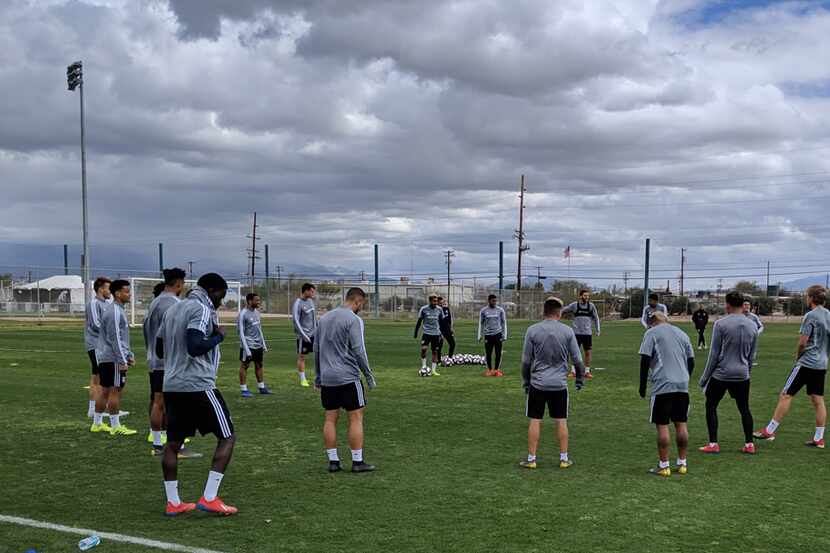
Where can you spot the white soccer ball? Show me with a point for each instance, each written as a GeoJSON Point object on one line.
{"type": "Point", "coordinates": [424, 372]}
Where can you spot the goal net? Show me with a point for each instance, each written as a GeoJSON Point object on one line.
{"type": "Point", "coordinates": [142, 297]}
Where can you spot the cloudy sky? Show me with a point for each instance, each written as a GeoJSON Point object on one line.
{"type": "Point", "coordinates": [701, 124]}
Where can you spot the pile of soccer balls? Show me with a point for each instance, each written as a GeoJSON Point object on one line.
{"type": "Point", "coordinates": [462, 359]}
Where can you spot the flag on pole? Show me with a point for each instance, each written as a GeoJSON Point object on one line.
{"type": "Point", "coordinates": [568, 252]}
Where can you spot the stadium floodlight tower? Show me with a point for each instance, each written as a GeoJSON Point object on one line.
{"type": "Point", "coordinates": [75, 79]}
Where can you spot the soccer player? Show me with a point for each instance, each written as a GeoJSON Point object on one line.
{"type": "Point", "coordinates": [253, 346]}
{"type": "Point", "coordinates": [91, 330]}
{"type": "Point", "coordinates": [447, 327]}
{"type": "Point", "coordinates": [810, 368]}
{"type": "Point", "coordinates": [586, 318]}
{"type": "Point", "coordinates": [649, 310]}
{"type": "Point", "coordinates": [747, 309]}
{"type": "Point", "coordinates": [548, 347]}
{"type": "Point", "coordinates": [430, 317]}
{"type": "Point", "coordinates": [492, 324]}
{"type": "Point", "coordinates": [728, 370]}
{"type": "Point", "coordinates": [167, 297]}
{"type": "Point", "coordinates": [700, 318]}
{"type": "Point", "coordinates": [114, 357]}
{"type": "Point", "coordinates": [189, 344]}
{"type": "Point", "coordinates": [340, 357]}
{"type": "Point", "coordinates": [667, 360]}
{"type": "Point", "coordinates": [305, 325]}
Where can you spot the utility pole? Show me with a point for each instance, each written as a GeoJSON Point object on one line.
{"type": "Point", "coordinates": [626, 275]}
{"type": "Point", "coordinates": [279, 276]}
{"type": "Point", "coordinates": [520, 234]}
{"type": "Point", "coordinates": [539, 277]}
{"type": "Point", "coordinates": [682, 268]}
{"type": "Point", "coordinates": [449, 254]}
{"type": "Point", "coordinates": [253, 252]}
{"type": "Point", "coordinates": [161, 259]}
{"type": "Point", "coordinates": [645, 283]}
{"type": "Point", "coordinates": [501, 269]}
{"type": "Point", "coordinates": [267, 280]}
{"type": "Point", "coordinates": [75, 79]}
{"type": "Point", "coordinates": [377, 282]}
{"type": "Point", "coordinates": [66, 259]}
{"type": "Point", "coordinates": [768, 277]}
{"type": "Point", "coordinates": [190, 268]}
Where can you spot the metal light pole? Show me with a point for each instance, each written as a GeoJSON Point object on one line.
{"type": "Point", "coordinates": [75, 79]}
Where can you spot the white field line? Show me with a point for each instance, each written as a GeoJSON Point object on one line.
{"type": "Point", "coordinates": [103, 535]}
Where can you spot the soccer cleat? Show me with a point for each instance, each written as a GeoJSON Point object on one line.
{"type": "Point", "coordinates": [682, 469]}
{"type": "Point", "coordinates": [498, 373]}
{"type": "Point", "coordinates": [589, 376]}
{"type": "Point", "coordinates": [216, 506]}
{"type": "Point", "coordinates": [174, 510]}
{"type": "Point", "coordinates": [489, 372]}
{"type": "Point", "coordinates": [304, 383]}
{"type": "Point", "coordinates": [266, 391]}
{"type": "Point", "coordinates": [185, 453]}
{"type": "Point", "coordinates": [665, 473]}
{"type": "Point", "coordinates": [362, 467]}
{"type": "Point", "coordinates": [157, 451]}
{"type": "Point", "coordinates": [334, 466]}
{"type": "Point", "coordinates": [528, 464]}
{"type": "Point", "coordinates": [122, 431]}
{"type": "Point", "coordinates": [103, 427]}
{"type": "Point", "coordinates": [764, 435]}
{"type": "Point", "coordinates": [709, 448]}
{"type": "Point", "coordinates": [247, 393]}
{"type": "Point", "coordinates": [150, 438]}
{"type": "Point", "coordinates": [749, 449]}
{"type": "Point", "coordinates": [813, 443]}
{"type": "Point", "coordinates": [435, 372]}
{"type": "Point", "coordinates": [566, 464]}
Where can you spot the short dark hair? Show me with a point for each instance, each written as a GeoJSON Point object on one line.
{"type": "Point", "coordinates": [99, 282]}
{"type": "Point", "coordinates": [552, 306]}
{"type": "Point", "coordinates": [212, 281]}
{"type": "Point", "coordinates": [654, 297]}
{"type": "Point", "coordinates": [158, 289]}
{"type": "Point", "coordinates": [307, 286]}
{"type": "Point", "coordinates": [440, 298]}
{"type": "Point", "coordinates": [251, 296]}
{"type": "Point", "coordinates": [583, 291]}
{"type": "Point", "coordinates": [354, 293]}
{"type": "Point", "coordinates": [818, 294]}
{"type": "Point", "coordinates": [735, 299]}
{"type": "Point", "coordinates": [173, 275]}
{"type": "Point", "coordinates": [119, 284]}
{"type": "Point", "coordinates": [492, 297]}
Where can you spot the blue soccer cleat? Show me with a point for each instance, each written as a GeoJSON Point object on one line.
{"type": "Point", "coordinates": [265, 392]}
{"type": "Point", "coordinates": [247, 393]}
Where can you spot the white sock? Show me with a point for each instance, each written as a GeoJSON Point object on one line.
{"type": "Point", "coordinates": [302, 375]}
{"type": "Point", "coordinates": [772, 426]}
{"type": "Point", "coordinates": [563, 456]}
{"type": "Point", "coordinates": [587, 370]}
{"type": "Point", "coordinates": [433, 367]}
{"type": "Point", "coordinates": [681, 462]}
{"type": "Point", "coordinates": [91, 409]}
{"type": "Point", "coordinates": [156, 437]}
{"type": "Point", "coordinates": [261, 385]}
{"type": "Point", "coordinates": [819, 435]}
{"type": "Point", "coordinates": [98, 418]}
{"type": "Point", "coordinates": [357, 455]}
{"type": "Point", "coordinates": [664, 464]}
{"type": "Point", "coordinates": [243, 387]}
{"type": "Point", "coordinates": [423, 363]}
{"type": "Point", "coordinates": [171, 488]}
{"type": "Point", "coordinates": [115, 421]}
{"type": "Point", "coordinates": [332, 453]}
{"type": "Point", "coordinates": [531, 458]}
{"type": "Point", "coordinates": [212, 485]}
{"type": "Point", "coordinates": [713, 444]}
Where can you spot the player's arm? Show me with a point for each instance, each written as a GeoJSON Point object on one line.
{"type": "Point", "coordinates": [240, 325]}
{"type": "Point", "coordinates": [358, 347]}
{"type": "Point", "coordinates": [527, 363]}
{"type": "Point", "coordinates": [568, 309]}
{"type": "Point", "coordinates": [595, 315]}
{"type": "Point", "coordinates": [480, 322]}
{"type": "Point", "coordinates": [418, 323]}
{"type": "Point", "coordinates": [644, 318]}
{"type": "Point", "coordinates": [317, 381]}
{"type": "Point", "coordinates": [803, 340]}
{"type": "Point", "coordinates": [760, 325]}
{"type": "Point", "coordinates": [198, 342]}
{"type": "Point", "coordinates": [118, 342]}
{"type": "Point", "coordinates": [262, 336]}
{"type": "Point", "coordinates": [690, 356]}
{"type": "Point", "coordinates": [295, 315]}
{"type": "Point", "coordinates": [503, 316]}
{"type": "Point", "coordinates": [645, 364]}
{"type": "Point", "coordinates": [714, 355]}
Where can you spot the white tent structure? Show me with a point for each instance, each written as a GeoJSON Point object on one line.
{"type": "Point", "coordinates": [61, 290]}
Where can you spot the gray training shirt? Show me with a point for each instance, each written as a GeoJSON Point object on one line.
{"type": "Point", "coordinates": [430, 318]}
{"type": "Point", "coordinates": [250, 331]}
{"type": "Point", "coordinates": [492, 321]}
{"type": "Point", "coordinates": [183, 373]}
{"type": "Point", "coordinates": [93, 322]}
{"type": "Point", "coordinates": [648, 312]}
{"type": "Point", "coordinates": [816, 325]}
{"type": "Point", "coordinates": [669, 349]}
{"type": "Point", "coordinates": [114, 336]}
{"type": "Point", "coordinates": [152, 326]}
{"type": "Point", "coordinates": [756, 320]}
{"type": "Point", "coordinates": [548, 347]}
{"type": "Point", "coordinates": [305, 319]}
{"type": "Point", "coordinates": [733, 347]}
{"type": "Point", "coordinates": [584, 314]}
{"type": "Point", "coordinates": [340, 351]}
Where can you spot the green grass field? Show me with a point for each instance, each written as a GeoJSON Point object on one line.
{"type": "Point", "coordinates": [447, 450]}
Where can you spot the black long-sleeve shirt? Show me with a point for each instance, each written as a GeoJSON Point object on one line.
{"type": "Point", "coordinates": [700, 318]}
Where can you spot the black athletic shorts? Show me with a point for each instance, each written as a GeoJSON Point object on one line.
{"type": "Point", "coordinates": [586, 341]}
{"type": "Point", "coordinates": [670, 407]}
{"type": "Point", "coordinates": [800, 377]}
{"type": "Point", "coordinates": [556, 401]}
{"type": "Point", "coordinates": [305, 347]}
{"type": "Point", "coordinates": [256, 356]}
{"type": "Point", "coordinates": [188, 412]}
{"type": "Point", "coordinates": [348, 396]}
{"type": "Point", "coordinates": [93, 361]}
{"type": "Point", "coordinates": [156, 382]}
{"type": "Point", "coordinates": [433, 341]}
{"type": "Point", "coordinates": [110, 377]}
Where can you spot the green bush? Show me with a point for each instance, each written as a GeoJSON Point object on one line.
{"type": "Point", "coordinates": [633, 305]}
{"type": "Point", "coordinates": [766, 305]}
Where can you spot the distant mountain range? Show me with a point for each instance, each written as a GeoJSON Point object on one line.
{"type": "Point", "coordinates": [804, 283]}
